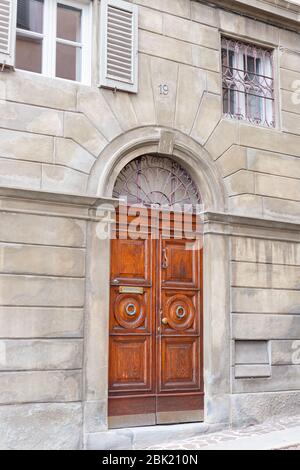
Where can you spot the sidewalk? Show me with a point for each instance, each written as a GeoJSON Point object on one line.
{"type": "Point", "coordinates": [280, 433]}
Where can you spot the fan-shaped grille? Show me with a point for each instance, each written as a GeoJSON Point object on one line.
{"type": "Point", "coordinates": [157, 182]}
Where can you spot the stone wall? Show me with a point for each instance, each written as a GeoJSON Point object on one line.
{"type": "Point", "coordinates": [53, 131]}
{"type": "Point", "coordinates": [265, 293]}
{"type": "Point", "coordinates": [43, 241]}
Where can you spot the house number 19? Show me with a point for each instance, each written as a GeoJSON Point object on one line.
{"type": "Point", "coordinates": [164, 89]}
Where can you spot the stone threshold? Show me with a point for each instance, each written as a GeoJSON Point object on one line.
{"type": "Point", "coordinates": [140, 438]}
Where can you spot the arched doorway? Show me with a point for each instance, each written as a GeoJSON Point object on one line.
{"type": "Point", "coordinates": [156, 314]}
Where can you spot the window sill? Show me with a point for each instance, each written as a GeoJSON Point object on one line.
{"type": "Point", "coordinates": [248, 122]}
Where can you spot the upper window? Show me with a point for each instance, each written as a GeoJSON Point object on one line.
{"type": "Point", "coordinates": [248, 82]}
{"type": "Point", "coordinates": [53, 38]}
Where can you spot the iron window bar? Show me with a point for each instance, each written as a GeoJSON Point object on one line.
{"type": "Point", "coordinates": [247, 82]}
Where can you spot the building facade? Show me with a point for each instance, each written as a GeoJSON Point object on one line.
{"type": "Point", "coordinates": [88, 88]}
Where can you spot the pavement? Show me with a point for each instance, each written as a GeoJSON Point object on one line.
{"type": "Point", "coordinates": [276, 434]}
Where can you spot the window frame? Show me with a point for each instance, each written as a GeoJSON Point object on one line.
{"type": "Point", "coordinates": [50, 40]}
{"type": "Point", "coordinates": [244, 117]}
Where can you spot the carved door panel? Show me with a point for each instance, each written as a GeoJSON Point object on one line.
{"type": "Point", "coordinates": [155, 348]}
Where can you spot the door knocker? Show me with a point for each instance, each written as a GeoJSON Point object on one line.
{"type": "Point", "coordinates": [165, 262]}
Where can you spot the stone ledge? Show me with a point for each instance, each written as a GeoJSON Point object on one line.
{"type": "Point", "coordinates": [29, 201]}
{"type": "Point", "coordinates": [245, 220]}
{"type": "Point", "coordinates": [277, 12]}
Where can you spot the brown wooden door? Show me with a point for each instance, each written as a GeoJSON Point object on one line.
{"type": "Point", "coordinates": [155, 346]}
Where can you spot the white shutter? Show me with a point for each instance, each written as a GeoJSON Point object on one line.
{"type": "Point", "coordinates": [119, 45]}
{"type": "Point", "coordinates": [8, 10]}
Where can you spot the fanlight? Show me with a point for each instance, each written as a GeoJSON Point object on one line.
{"type": "Point", "coordinates": [155, 181]}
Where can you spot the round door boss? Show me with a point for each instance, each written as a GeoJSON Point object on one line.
{"type": "Point", "coordinates": [180, 311]}
{"type": "Point", "coordinates": [130, 309]}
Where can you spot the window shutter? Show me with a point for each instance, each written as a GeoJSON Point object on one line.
{"type": "Point", "coordinates": [119, 45]}
{"type": "Point", "coordinates": [8, 10]}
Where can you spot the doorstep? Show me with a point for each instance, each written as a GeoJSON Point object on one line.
{"type": "Point", "coordinates": [143, 437]}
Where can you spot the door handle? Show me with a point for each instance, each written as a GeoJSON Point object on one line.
{"type": "Point", "coordinates": [165, 262]}
{"type": "Point", "coordinates": [164, 321]}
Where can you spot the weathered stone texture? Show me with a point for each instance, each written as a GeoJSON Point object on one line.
{"type": "Point", "coordinates": [208, 117]}
{"type": "Point", "coordinates": [38, 322]}
{"type": "Point", "coordinates": [20, 174]}
{"type": "Point", "coordinates": [185, 30]}
{"type": "Point", "coordinates": [41, 291]}
{"type": "Point", "coordinates": [265, 251]}
{"type": "Point", "coordinates": [261, 327]}
{"type": "Point", "coordinates": [265, 275]}
{"type": "Point", "coordinates": [78, 128]}
{"type": "Point", "coordinates": [71, 154]}
{"type": "Point", "coordinates": [251, 300]}
{"type": "Point", "coordinates": [188, 98]}
{"type": "Point", "coordinates": [40, 354]}
{"type": "Point", "coordinates": [31, 118]}
{"type": "Point", "coordinates": [176, 7]}
{"type": "Point", "coordinates": [26, 146]}
{"type": "Point", "coordinates": [150, 20]}
{"type": "Point", "coordinates": [252, 408]}
{"type": "Point", "coordinates": [64, 179]}
{"type": "Point", "coordinates": [283, 378]}
{"type": "Point", "coordinates": [143, 103]}
{"type": "Point", "coordinates": [40, 386]}
{"type": "Point", "coordinates": [36, 229]}
{"type": "Point", "coordinates": [45, 260]}
{"type": "Point", "coordinates": [45, 426]}
{"type": "Point", "coordinates": [42, 91]}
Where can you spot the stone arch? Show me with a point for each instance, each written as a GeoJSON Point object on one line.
{"type": "Point", "coordinates": [164, 141]}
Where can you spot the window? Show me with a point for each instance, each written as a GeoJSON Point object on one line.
{"type": "Point", "coordinates": [248, 83]}
{"type": "Point", "coordinates": [53, 38]}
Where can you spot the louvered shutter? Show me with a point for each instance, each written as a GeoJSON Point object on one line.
{"type": "Point", "coordinates": [8, 9]}
{"type": "Point", "coordinates": [119, 45]}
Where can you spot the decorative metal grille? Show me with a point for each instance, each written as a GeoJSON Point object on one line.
{"type": "Point", "coordinates": [155, 181]}
{"type": "Point", "coordinates": [248, 83]}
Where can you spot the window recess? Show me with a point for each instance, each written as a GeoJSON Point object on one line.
{"type": "Point", "coordinates": [248, 82]}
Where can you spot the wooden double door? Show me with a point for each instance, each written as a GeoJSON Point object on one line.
{"type": "Point", "coordinates": [156, 343]}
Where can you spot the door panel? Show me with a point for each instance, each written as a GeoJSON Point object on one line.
{"type": "Point", "coordinates": [180, 364]}
{"type": "Point", "coordinates": [131, 371]}
{"type": "Point", "coordinates": [131, 261]}
{"type": "Point", "coordinates": [181, 311]}
{"type": "Point", "coordinates": [179, 264]}
{"type": "Point", "coordinates": [131, 312]}
{"type": "Point", "coordinates": [179, 408]}
{"type": "Point", "coordinates": [133, 410]}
